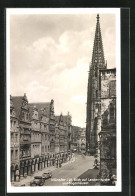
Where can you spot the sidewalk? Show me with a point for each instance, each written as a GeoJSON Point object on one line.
{"type": "Point", "coordinates": [28, 179]}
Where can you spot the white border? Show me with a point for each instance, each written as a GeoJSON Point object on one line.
{"type": "Point", "coordinates": [116, 11]}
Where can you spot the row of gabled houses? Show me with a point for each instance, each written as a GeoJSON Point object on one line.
{"type": "Point", "coordinates": [39, 138]}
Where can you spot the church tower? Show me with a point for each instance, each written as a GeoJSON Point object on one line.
{"type": "Point", "coordinates": [93, 119]}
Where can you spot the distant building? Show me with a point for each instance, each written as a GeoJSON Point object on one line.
{"type": "Point", "coordinates": [82, 141]}
{"type": "Point", "coordinates": [14, 143]}
{"type": "Point", "coordinates": [63, 135]}
{"type": "Point", "coordinates": [52, 127]}
{"type": "Point", "coordinates": [63, 145]}
{"type": "Point", "coordinates": [75, 137]}
{"type": "Point", "coordinates": [23, 115]}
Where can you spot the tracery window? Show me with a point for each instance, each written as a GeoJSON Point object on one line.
{"type": "Point", "coordinates": [112, 88]}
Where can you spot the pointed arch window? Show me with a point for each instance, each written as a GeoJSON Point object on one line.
{"type": "Point", "coordinates": [112, 88]}
{"type": "Point", "coordinates": [112, 113]}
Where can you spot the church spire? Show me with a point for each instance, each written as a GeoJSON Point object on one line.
{"type": "Point", "coordinates": [98, 52]}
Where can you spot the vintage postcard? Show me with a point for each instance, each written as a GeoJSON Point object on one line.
{"type": "Point", "coordinates": [63, 100]}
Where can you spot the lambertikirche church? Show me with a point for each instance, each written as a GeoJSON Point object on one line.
{"type": "Point", "coordinates": [101, 108]}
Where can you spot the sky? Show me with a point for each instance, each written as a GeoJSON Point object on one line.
{"type": "Point", "coordinates": [50, 57]}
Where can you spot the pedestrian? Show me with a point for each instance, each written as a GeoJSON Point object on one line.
{"type": "Point", "coordinates": [95, 164]}
{"type": "Point", "coordinates": [113, 180]}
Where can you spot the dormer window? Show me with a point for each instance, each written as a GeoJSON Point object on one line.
{"type": "Point", "coordinates": [22, 115]}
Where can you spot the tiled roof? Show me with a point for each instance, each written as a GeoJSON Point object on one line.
{"type": "Point", "coordinates": [40, 106]}
{"type": "Point", "coordinates": [17, 102]}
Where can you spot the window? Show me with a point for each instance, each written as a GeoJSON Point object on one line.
{"type": "Point", "coordinates": [27, 116]}
{"type": "Point", "coordinates": [16, 154]}
{"type": "Point", "coordinates": [112, 88]}
{"type": "Point", "coordinates": [112, 112]}
{"type": "Point", "coordinates": [12, 136]}
{"type": "Point", "coordinates": [105, 118]}
{"type": "Point", "coordinates": [16, 137]}
{"type": "Point", "coordinates": [25, 138]}
{"type": "Point", "coordinates": [96, 93]}
{"type": "Point", "coordinates": [12, 154]}
{"type": "Point", "coordinates": [22, 115]}
{"type": "Point", "coordinates": [11, 123]}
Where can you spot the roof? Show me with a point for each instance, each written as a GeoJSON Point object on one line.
{"type": "Point", "coordinates": [40, 106]}
{"type": "Point", "coordinates": [98, 51]}
{"type": "Point", "coordinates": [17, 102]}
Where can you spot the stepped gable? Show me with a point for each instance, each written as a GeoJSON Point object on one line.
{"type": "Point", "coordinates": [41, 106]}
{"type": "Point", "coordinates": [31, 108]}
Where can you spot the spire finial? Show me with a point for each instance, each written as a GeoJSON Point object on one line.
{"type": "Point", "coordinates": [98, 17]}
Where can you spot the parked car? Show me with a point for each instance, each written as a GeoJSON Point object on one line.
{"type": "Point", "coordinates": [47, 175]}
{"type": "Point", "coordinates": [38, 181]}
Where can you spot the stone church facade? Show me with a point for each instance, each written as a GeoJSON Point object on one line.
{"type": "Point", "coordinates": [93, 121]}
{"type": "Point", "coordinates": [101, 109]}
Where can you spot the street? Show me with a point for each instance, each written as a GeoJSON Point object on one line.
{"type": "Point", "coordinates": [70, 171]}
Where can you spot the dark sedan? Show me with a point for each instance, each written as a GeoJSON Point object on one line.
{"type": "Point", "coordinates": [38, 181]}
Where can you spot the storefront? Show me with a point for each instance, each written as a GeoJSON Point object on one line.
{"type": "Point", "coordinates": [46, 161]}
{"type": "Point", "coordinates": [21, 169]}
{"type": "Point", "coordinates": [33, 166]}
{"type": "Point", "coordinates": [30, 167]}
{"type": "Point", "coordinates": [43, 162]}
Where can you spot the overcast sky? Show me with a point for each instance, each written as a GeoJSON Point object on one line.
{"type": "Point", "coordinates": [50, 56]}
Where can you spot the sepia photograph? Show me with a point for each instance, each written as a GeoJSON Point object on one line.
{"type": "Point", "coordinates": [63, 100]}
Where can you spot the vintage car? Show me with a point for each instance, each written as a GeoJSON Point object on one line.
{"type": "Point", "coordinates": [38, 181]}
{"type": "Point", "coordinates": [47, 175]}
